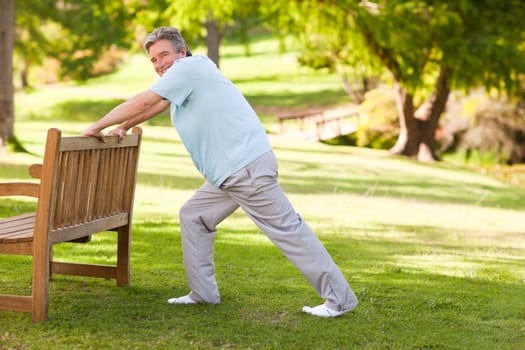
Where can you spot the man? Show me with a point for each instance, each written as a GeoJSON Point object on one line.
{"type": "Point", "coordinates": [229, 146]}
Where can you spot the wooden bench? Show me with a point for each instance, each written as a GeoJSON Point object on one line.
{"type": "Point", "coordinates": [85, 187]}
{"type": "Point", "coordinates": [323, 124]}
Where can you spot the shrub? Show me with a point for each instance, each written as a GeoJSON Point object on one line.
{"type": "Point", "coordinates": [378, 120]}
{"type": "Point", "coordinates": [498, 128]}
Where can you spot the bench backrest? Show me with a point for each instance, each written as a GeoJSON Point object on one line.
{"type": "Point", "coordinates": [86, 186]}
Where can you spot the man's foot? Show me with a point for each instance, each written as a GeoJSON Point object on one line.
{"type": "Point", "coordinates": [323, 311]}
{"type": "Point", "coordinates": [182, 300]}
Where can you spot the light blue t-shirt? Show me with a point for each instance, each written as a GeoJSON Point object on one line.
{"type": "Point", "coordinates": [216, 124]}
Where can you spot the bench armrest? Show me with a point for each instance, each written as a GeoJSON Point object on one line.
{"type": "Point", "coordinates": [35, 171]}
{"type": "Point", "coordinates": [28, 189]}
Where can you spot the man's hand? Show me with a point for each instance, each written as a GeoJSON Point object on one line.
{"type": "Point", "coordinates": [120, 132]}
{"type": "Point", "coordinates": [94, 133]}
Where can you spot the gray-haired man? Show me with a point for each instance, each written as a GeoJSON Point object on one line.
{"type": "Point", "coordinates": [229, 146]}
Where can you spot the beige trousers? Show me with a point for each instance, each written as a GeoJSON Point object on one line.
{"type": "Point", "coordinates": [256, 190]}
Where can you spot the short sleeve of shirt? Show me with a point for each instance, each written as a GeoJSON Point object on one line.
{"type": "Point", "coordinates": [173, 85]}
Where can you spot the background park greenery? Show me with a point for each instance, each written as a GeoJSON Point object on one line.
{"type": "Point", "coordinates": [435, 252]}
{"type": "Point", "coordinates": [426, 52]}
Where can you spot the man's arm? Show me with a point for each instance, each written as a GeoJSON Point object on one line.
{"type": "Point", "coordinates": [146, 103]}
{"type": "Point", "coordinates": [123, 128]}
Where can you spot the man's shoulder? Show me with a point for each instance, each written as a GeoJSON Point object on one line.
{"type": "Point", "coordinates": [197, 59]}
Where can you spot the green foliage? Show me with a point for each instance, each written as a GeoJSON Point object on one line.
{"type": "Point", "coordinates": [190, 17]}
{"type": "Point", "coordinates": [76, 32]}
{"type": "Point", "coordinates": [492, 48]}
{"type": "Point", "coordinates": [412, 39]}
{"type": "Point", "coordinates": [82, 21]}
{"type": "Point", "coordinates": [318, 25]}
{"type": "Point", "coordinates": [32, 25]}
{"type": "Point", "coordinates": [428, 47]}
{"type": "Point", "coordinates": [472, 38]}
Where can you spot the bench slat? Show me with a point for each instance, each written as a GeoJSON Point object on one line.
{"type": "Point", "coordinates": [15, 303]}
{"type": "Point", "coordinates": [17, 229]}
{"type": "Point", "coordinates": [78, 231]}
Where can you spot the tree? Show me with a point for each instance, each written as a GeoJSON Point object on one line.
{"type": "Point", "coordinates": [75, 38]}
{"type": "Point", "coordinates": [214, 16]}
{"type": "Point", "coordinates": [7, 35]}
{"type": "Point", "coordinates": [32, 39]}
{"type": "Point", "coordinates": [327, 42]}
{"type": "Point", "coordinates": [208, 19]}
{"type": "Point", "coordinates": [91, 28]}
{"type": "Point", "coordinates": [429, 47]}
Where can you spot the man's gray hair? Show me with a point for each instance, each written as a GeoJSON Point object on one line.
{"type": "Point", "coordinates": [171, 34]}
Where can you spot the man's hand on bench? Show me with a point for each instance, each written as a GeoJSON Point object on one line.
{"type": "Point", "coordinates": [94, 133]}
{"type": "Point", "coordinates": [120, 132]}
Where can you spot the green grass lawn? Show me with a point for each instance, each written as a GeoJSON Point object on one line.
{"type": "Point", "coordinates": [434, 252]}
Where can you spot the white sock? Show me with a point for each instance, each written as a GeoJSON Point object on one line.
{"type": "Point", "coordinates": [182, 300]}
{"type": "Point", "coordinates": [323, 311]}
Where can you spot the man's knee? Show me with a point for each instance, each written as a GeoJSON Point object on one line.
{"type": "Point", "coordinates": [187, 214]}
{"type": "Point", "coordinates": [191, 217]}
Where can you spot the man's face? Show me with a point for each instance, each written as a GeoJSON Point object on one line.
{"type": "Point", "coordinates": [162, 55]}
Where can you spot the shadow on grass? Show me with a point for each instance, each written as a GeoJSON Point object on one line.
{"type": "Point", "coordinates": [398, 185]}
{"type": "Point", "coordinates": [90, 110]}
{"type": "Point", "coordinates": [82, 110]}
{"type": "Point", "coordinates": [289, 99]}
{"type": "Point", "coordinates": [393, 184]}
{"type": "Point", "coordinates": [170, 181]}
{"type": "Point", "coordinates": [403, 187]}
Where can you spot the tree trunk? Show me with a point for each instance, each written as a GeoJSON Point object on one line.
{"type": "Point", "coordinates": [7, 36]}
{"type": "Point", "coordinates": [417, 129]}
{"type": "Point", "coordinates": [406, 143]}
{"type": "Point", "coordinates": [24, 74]}
{"type": "Point", "coordinates": [355, 90]}
{"type": "Point", "coordinates": [213, 40]}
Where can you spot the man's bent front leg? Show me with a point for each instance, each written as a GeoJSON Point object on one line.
{"type": "Point", "coordinates": [198, 220]}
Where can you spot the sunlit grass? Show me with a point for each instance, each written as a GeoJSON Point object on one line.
{"type": "Point", "coordinates": [431, 264]}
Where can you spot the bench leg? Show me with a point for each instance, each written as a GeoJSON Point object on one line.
{"type": "Point", "coordinates": [40, 282]}
{"type": "Point", "coordinates": [123, 255]}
